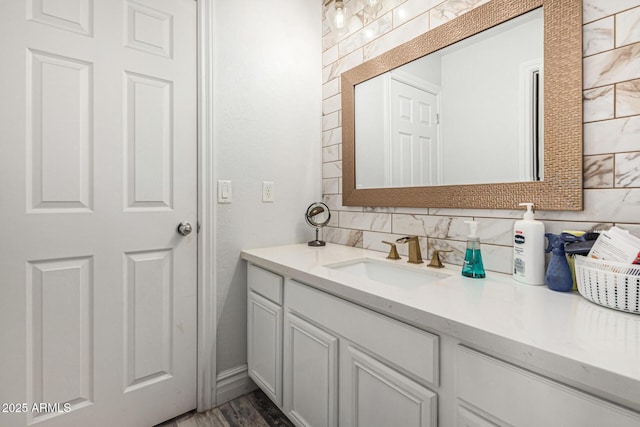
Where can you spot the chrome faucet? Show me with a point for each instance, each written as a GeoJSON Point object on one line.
{"type": "Point", "coordinates": [415, 255]}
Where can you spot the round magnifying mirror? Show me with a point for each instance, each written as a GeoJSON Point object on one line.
{"type": "Point", "coordinates": [317, 216]}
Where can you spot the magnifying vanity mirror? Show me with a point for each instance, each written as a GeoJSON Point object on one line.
{"type": "Point", "coordinates": [317, 215]}
{"type": "Point", "coordinates": [484, 111]}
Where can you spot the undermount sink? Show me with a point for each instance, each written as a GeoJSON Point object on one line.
{"type": "Point", "coordinates": [400, 275]}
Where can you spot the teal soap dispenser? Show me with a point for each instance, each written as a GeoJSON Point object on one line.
{"type": "Point", "coordinates": [472, 266]}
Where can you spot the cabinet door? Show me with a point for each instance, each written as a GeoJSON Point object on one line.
{"type": "Point", "coordinates": [310, 374]}
{"type": "Point", "coordinates": [518, 397]}
{"type": "Point", "coordinates": [264, 345]}
{"type": "Point", "coordinates": [374, 394]}
{"type": "Point", "coordinates": [467, 417]}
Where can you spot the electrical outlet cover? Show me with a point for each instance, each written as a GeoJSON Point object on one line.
{"type": "Point", "coordinates": [268, 195]}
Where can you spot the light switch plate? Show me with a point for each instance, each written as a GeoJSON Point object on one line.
{"type": "Point", "coordinates": [225, 193]}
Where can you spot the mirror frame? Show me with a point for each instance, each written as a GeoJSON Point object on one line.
{"type": "Point", "coordinates": [562, 185]}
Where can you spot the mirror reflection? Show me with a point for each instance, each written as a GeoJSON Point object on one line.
{"type": "Point", "coordinates": [467, 114]}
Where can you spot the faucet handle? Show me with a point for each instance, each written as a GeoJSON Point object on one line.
{"type": "Point", "coordinates": [393, 251]}
{"type": "Point", "coordinates": [435, 259]}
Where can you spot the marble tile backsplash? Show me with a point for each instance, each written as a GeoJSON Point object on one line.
{"type": "Point", "coordinates": [611, 82]}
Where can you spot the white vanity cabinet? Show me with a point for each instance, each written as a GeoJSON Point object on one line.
{"type": "Point", "coordinates": [491, 392]}
{"type": "Point", "coordinates": [264, 331]}
{"type": "Point", "coordinates": [335, 363]}
{"type": "Point", "coordinates": [349, 366]}
{"type": "Point", "coordinates": [327, 361]}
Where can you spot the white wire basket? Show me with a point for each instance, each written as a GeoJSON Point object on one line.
{"type": "Point", "coordinates": [610, 284]}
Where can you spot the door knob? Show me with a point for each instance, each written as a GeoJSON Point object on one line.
{"type": "Point", "coordinates": [184, 228]}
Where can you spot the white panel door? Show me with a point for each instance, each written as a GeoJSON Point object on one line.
{"type": "Point", "coordinates": [98, 166]}
{"type": "Point", "coordinates": [414, 151]}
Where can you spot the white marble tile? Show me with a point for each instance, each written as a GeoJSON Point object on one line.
{"type": "Point", "coordinates": [334, 202]}
{"type": "Point", "coordinates": [331, 121]}
{"type": "Point", "coordinates": [411, 211]}
{"type": "Point", "coordinates": [628, 98]}
{"type": "Point", "coordinates": [330, 56]}
{"type": "Point", "coordinates": [485, 213]}
{"type": "Point", "coordinates": [598, 171]}
{"type": "Point", "coordinates": [597, 36]}
{"type": "Point", "coordinates": [411, 225]}
{"type": "Point", "coordinates": [628, 27]}
{"type": "Point", "coordinates": [612, 136]}
{"type": "Point", "coordinates": [331, 153]}
{"type": "Point", "coordinates": [411, 9]}
{"type": "Point", "coordinates": [497, 258]}
{"type": "Point", "coordinates": [450, 9]}
{"type": "Point", "coordinates": [373, 240]}
{"type": "Point", "coordinates": [596, 9]}
{"type": "Point", "coordinates": [327, 38]}
{"type": "Point", "coordinates": [377, 209]}
{"type": "Point", "coordinates": [332, 169]}
{"type": "Point", "coordinates": [399, 35]}
{"type": "Point", "coordinates": [365, 35]}
{"type": "Point", "coordinates": [331, 186]}
{"type": "Point", "coordinates": [628, 171]}
{"type": "Point", "coordinates": [632, 228]}
{"type": "Point", "coordinates": [325, 24]}
{"type": "Point", "coordinates": [602, 205]}
{"type": "Point", "coordinates": [331, 104]}
{"type": "Point", "coordinates": [366, 221]}
{"type": "Point", "coordinates": [385, 7]}
{"type": "Point", "coordinates": [457, 248]}
{"type": "Point", "coordinates": [598, 103]}
{"type": "Point", "coordinates": [332, 137]}
{"type": "Point", "coordinates": [612, 66]}
{"type": "Point", "coordinates": [331, 88]}
{"type": "Point", "coordinates": [557, 227]}
{"type": "Point", "coordinates": [495, 231]}
{"type": "Point", "coordinates": [334, 220]}
{"type": "Point", "coordinates": [430, 226]}
{"type": "Point", "coordinates": [342, 236]}
{"type": "Point", "coordinates": [343, 64]}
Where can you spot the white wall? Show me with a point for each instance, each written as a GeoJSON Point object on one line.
{"type": "Point", "coordinates": [267, 127]}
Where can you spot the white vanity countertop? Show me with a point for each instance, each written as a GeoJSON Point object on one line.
{"type": "Point", "coordinates": [561, 335]}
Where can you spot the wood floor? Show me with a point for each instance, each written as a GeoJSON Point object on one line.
{"type": "Point", "coordinates": [251, 410]}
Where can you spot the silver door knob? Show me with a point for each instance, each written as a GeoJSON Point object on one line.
{"type": "Point", "coordinates": [184, 228]}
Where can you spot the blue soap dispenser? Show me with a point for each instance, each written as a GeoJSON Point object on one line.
{"type": "Point", "coordinates": [473, 266]}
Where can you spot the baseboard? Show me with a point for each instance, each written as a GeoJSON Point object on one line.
{"type": "Point", "coordinates": [233, 383]}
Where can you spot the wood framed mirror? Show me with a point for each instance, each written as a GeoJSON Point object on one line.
{"type": "Point", "coordinates": [560, 187]}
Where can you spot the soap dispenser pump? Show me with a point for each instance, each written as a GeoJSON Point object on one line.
{"type": "Point", "coordinates": [528, 248]}
{"type": "Point", "coordinates": [473, 266]}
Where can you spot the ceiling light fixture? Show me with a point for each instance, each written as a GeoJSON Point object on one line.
{"type": "Point", "coordinates": [338, 16]}
{"type": "Point", "coordinates": [371, 7]}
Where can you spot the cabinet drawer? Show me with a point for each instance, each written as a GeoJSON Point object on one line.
{"type": "Point", "coordinates": [518, 397]}
{"type": "Point", "coordinates": [411, 350]}
{"type": "Point", "coordinates": [265, 283]}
